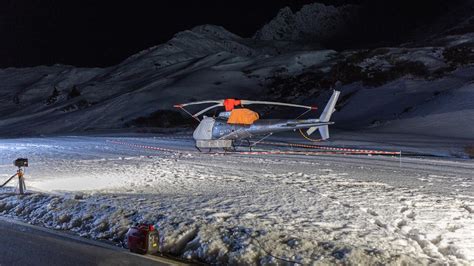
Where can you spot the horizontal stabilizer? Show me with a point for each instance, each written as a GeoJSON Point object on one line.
{"type": "Point", "coordinates": [311, 130]}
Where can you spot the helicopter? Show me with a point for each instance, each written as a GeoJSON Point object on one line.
{"type": "Point", "coordinates": [243, 124]}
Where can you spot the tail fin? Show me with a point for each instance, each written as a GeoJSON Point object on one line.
{"type": "Point", "coordinates": [326, 116]}
{"type": "Point", "coordinates": [324, 131]}
{"type": "Point", "coordinates": [329, 109]}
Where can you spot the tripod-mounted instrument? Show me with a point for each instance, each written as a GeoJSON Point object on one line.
{"type": "Point", "coordinates": [20, 173]}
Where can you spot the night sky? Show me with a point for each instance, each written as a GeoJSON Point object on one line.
{"type": "Point", "coordinates": [103, 33]}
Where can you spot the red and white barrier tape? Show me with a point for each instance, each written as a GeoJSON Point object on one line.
{"type": "Point", "coordinates": [330, 148]}
{"type": "Point", "coordinates": [143, 146]}
{"type": "Point", "coordinates": [340, 151]}
{"type": "Point", "coordinates": [309, 146]}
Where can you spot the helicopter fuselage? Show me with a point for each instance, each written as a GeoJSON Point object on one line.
{"type": "Point", "coordinates": [219, 129]}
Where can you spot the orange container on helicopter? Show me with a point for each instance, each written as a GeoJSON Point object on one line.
{"type": "Point", "coordinates": [242, 116]}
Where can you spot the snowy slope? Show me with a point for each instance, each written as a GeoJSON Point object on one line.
{"type": "Point", "coordinates": [451, 114]}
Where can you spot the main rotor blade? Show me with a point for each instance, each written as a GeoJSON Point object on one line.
{"type": "Point", "coordinates": [247, 102]}
{"type": "Point", "coordinates": [197, 103]}
{"type": "Point", "coordinates": [207, 109]}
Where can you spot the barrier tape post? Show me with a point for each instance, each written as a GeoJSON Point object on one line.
{"type": "Point", "coordinates": [400, 159]}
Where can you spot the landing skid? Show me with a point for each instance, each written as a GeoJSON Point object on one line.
{"type": "Point", "coordinates": [197, 148]}
{"type": "Point", "coordinates": [226, 144]}
{"type": "Point", "coordinates": [233, 149]}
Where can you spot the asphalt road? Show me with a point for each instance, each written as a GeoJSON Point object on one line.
{"type": "Point", "coordinates": [22, 244]}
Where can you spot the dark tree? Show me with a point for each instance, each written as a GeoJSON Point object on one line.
{"type": "Point", "coordinates": [53, 97]}
{"type": "Point", "coordinates": [73, 93]}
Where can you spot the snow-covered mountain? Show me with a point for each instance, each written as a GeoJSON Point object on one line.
{"type": "Point", "coordinates": [315, 22]}
{"type": "Point", "coordinates": [205, 62]}
{"type": "Point", "coordinates": [414, 89]}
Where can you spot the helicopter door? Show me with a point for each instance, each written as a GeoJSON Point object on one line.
{"type": "Point", "coordinates": [204, 130]}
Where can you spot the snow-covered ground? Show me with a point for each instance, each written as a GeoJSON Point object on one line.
{"type": "Point", "coordinates": [249, 209]}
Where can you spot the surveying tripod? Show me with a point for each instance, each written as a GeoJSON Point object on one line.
{"type": "Point", "coordinates": [21, 180]}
